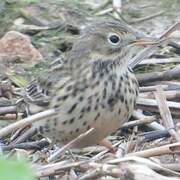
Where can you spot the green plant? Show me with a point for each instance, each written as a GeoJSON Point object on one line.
{"type": "Point", "coordinates": [11, 169]}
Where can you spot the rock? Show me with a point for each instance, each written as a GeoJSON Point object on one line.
{"type": "Point", "coordinates": [15, 47]}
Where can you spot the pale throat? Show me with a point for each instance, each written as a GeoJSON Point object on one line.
{"type": "Point", "coordinates": [113, 61]}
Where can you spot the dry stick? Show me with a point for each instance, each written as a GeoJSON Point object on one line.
{"type": "Point", "coordinates": [103, 5]}
{"type": "Point", "coordinates": [154, 61]}
{"type": "Point", "coordinates": [170, 95]}
{"type": "Point", "coordinates": [172, 85]}
{"type": "Point", "coordinates": [152, 135]}
{"type": "Point", "coordinates": [8, 110]}
{"type": "Point", "coordinates": [157, 151]}
{"type": "Point", "coordinates": [31, 18]}
{"type": "Point", "coordinates": [132, 168]}
{"type": "Point", "coordinates": [8, 117]}
{"type": "Point", "coordinates": [53, 168]}
{"type": "Point", "coordinates": [37, 145]}
{"type": "Point", "coordinates": [165, 113]}
{"type": "Point", "coordinates": [26, 135]}
{"type": "Point", "coordinates": [139, 20]}
{"type": "Point", "coordinates": [131, 146]}
{"type": "Point", "coordinates": [26, 121]}
{"type": "Point", "coordinates": [17, 133]}
{"type": "Point", "coordinates": [56, 164]}
{"type": "Point", "coordinates": [76, 141]}
{"type": "Point", "coordinates": [154, 125]}
{"type": "Point", "coordinates": [105, 171]}
{"type": "Point", "coordinates": [159, 76]}
{"type": "Point", "coordinates": [147, 51]}
{"type": "Point", "coordinates": [139, 122]}
{"type": "Point", "coordinates": [166, 85]}
{"type": "Point", "coordinates": [139, 160]}
{"type": "Point", "coordinates": [151, 104]}
{"type": "Point", "coordinates": [103, 12]}
{"type": "Point", "coordinates": [69, 145]}
{"type": "Point", "coordinates": [117, 5]}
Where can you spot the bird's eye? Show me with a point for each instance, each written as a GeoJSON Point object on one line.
{"type": "Point", "coordinates": [113, 39]}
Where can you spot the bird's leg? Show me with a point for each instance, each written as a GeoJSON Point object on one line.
{"type": "Point", "coordinates": [108, 145]}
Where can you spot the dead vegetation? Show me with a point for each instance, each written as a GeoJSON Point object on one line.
{"type": "Point", "coordinates": [148, 145]}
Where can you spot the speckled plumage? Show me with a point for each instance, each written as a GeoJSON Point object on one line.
{"type": "Point", "coordinates": [91, 87]}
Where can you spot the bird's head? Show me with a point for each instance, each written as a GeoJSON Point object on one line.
{"type": "Point", "coordinates": [105, 44]}
{"type": "Point", "coordinates": [109, 40]}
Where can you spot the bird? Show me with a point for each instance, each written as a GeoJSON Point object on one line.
{"type": "Point", "coordinates": [91, 86]}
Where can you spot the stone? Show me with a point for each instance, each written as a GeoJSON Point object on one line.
{"type": "Point", "coordinates": [17, 46]}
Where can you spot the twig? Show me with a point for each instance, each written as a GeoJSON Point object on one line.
{"type": "Point", "coordinates": [103, 5]}
{"type": "Point", "coordinates": [157, 151]}
{"type": "Point", "coordinates": [25, 28]}
{"type": "Point", "coordinates": [131, 146]}
{"type": "Point", "coordinates": [153, 135]}
{"type": "Point", "coordinates": [103, 12]}
{"type": "Point", "coordinates": [165, 113]}
{"type": "Point", "coordinates": [148, 51]}
{"type": "Point", "coordinates": [154, 125]}
{"type": "Point", "coordinates": [129, 168]}
{"type": "Point", "coordinates": [26, 121]}
{"type": "Point", "coordinates": [117, 5]}
{"type": "Point", "coordinates": [139, 122]}
{"type": "Point", "coordinates": [151, 104]}
{"type": "Point", "coordinates": [167, 86]}
{"type": "Point", "coordinates": [8, 110]}
{"type": "Point", "coordinates": [17, 133]}
{"type": "Point", "coordinates": [145, 162]}
{"type": "Point", "coordinates": [75, 142]}
{"type": "Point", "coordinates": [122, 167]}
{"type": "Point", "coordinates": [139, 20]}
{"type": "Point", "coordinates": [27, 145]}
{"type": "Point", "coordinates": [53, 168]}
{"type": "Point", "coordinates": [154, 61]}
{"type": "Point", "coordinates": [8, 117]}
{"type": "Point", "coordinates": [27, 134]}
{"type": "Point", "coordinates": [159, 76]}
{"type": "Point", "coordinates": [105, 170]}
{"type": "Point", "coordinates": [33, 19]}
{"type": "Point", "coordinates": [170, 95]}
{"type": "Point", "coordinates": [145, 53]}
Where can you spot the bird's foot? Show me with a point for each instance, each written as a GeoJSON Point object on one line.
{"type": "Point", "coordinates": [108, 145]}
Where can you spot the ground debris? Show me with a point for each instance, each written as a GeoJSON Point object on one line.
{"type": "Point", "coordinates": [148, 145]}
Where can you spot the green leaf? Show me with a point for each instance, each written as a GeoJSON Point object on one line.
{"type": "Point", "coordinates": [12, 169]}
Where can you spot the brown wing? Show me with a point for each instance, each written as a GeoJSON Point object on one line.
{"type": "Point", "coordinates": [39, 90]}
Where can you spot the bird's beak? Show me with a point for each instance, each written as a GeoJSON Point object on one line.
{"type": "Point", "coordinates": [144, 41]}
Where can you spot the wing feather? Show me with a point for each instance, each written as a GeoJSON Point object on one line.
{"type": "Point", "coordinates": [39, 90]}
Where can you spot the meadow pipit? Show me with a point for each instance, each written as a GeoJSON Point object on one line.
{"type": "Point", "coordinates": [91, 87]}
